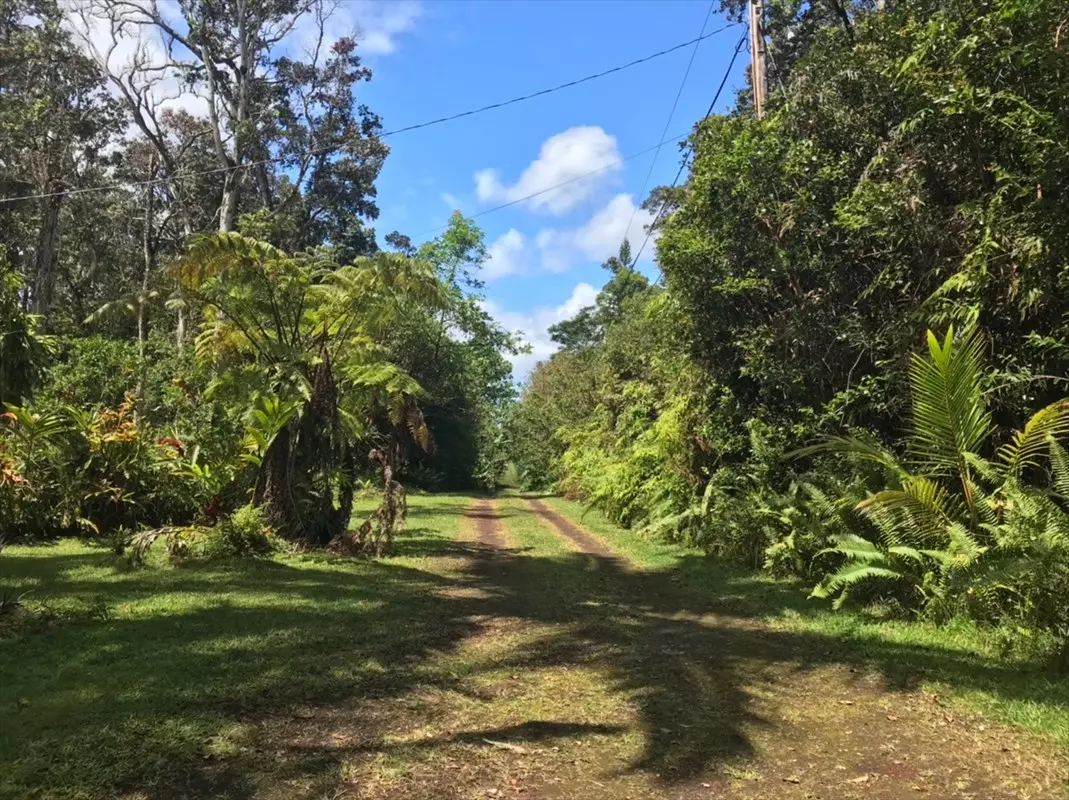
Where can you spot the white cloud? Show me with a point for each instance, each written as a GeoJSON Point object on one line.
{"type": "Point", "coordinates": [598, 239]}
{"type": "Point", "coordinates": [533, 325]}
{"type": "Point", "coordinates": [378, 23]}
{"type": "Point", "coordinates": [507, 255]}
{"type": "Point", "coordinates": [450, 200]}
{"type": "Point", "coordinates": [564, 157]}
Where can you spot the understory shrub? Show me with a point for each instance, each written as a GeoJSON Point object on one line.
{"type": "Point", "coordinates": [74, 471]}
{"type": "Point", "coordinates": [243, 533]}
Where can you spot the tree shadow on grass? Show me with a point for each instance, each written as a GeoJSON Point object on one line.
{"type": "Point", "coordinates": [164, 697]}
{"type": "Point", "coordinates": [133, 702]}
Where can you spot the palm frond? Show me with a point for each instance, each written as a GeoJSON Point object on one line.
{"type": "Point", "coordinates": [849, 445]}
{"type": "Point", "coordinates": [932, 506]}
{"type": "Point", "coordinates": [950, 417]}
{"type": "Point", "coordinates": [128, 304]}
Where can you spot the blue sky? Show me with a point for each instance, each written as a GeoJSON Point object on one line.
{"type": "Point", "coordinates": [438, 58]}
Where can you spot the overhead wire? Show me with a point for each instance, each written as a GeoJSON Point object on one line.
{"type": "Point", "coordinates": [668, 122]}
{"type": "Point", "coordinates": [395, 132]}
{"type": "Point", "coordinates": [569, 84]}
{"type": "Point", "coordinates": [686, 158]}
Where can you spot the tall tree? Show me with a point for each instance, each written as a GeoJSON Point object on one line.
{"type": "Point", "coordinates": [288, 134]}
{"type": "Point", "coordinates": [56, 118]}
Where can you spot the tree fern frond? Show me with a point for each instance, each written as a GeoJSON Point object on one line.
{"type": "Point", "coordinates": [417, 426]}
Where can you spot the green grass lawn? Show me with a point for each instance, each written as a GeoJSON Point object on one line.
{"type": "Point", "coordinates": [126, 678]}
{"type": "Point", "coordinates": [296, 675]}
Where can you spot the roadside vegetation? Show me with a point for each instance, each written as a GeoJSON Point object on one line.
{"type": "Point", "coordinates": [853, 371]}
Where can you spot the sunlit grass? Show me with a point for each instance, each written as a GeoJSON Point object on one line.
{"type": "Point", "coordinates": [291, 674]}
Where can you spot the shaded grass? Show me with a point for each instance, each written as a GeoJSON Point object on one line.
{"type": "Point", "coordinates": [128, 679]}
{"type": "Point", "coordinates": [959, 659]}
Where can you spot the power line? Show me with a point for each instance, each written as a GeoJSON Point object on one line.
{"type": "Point", "coordinates": [679, 93]}
{"type": "Point", "coordinates": [569, 84]}
{"type": "Point", "coordinates": [686, 158]}
{"type": "Point", "coordinates": [406, 129]}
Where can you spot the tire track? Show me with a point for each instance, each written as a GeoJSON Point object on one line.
{"type": "Point", "coordinates": [582, 540]}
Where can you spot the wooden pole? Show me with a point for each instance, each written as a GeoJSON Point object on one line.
{"type": "Point", "coordinates": [757, 56]}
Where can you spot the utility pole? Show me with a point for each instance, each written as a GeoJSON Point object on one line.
{"type": "Point", "coordinates": [757, 56]}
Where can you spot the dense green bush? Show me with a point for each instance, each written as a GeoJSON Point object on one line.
{"type": "Point", "coordinates": [243, 533]}
{"type": "Point", "coordinates": [71, 471]}
{"type": "Point", "coordinates": [961, 527]}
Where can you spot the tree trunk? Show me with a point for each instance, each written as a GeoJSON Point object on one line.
{"type": "Point", "coordinates": [148, 252]}
{"type": "Point", "coordinates": [228, 208]}
{"type": "Point", "coordinates": [44, 279]}
{"type": "Point", "coordinates": [274, 490]}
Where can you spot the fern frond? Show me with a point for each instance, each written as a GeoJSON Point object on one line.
{"type": "Point", "coordinates": [1031, 443]}
{"type": "Point", "coordinates": [417, 426]}
{"type": "Point", "coordinates": [856, 548]}
{"type": "Point", "coordinates": [1059, 460]}
{"type": "Point", "coordinates": [851, 575]}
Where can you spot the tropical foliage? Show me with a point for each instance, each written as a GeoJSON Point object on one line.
{"type": "Point", "coordinates": [904, 178]}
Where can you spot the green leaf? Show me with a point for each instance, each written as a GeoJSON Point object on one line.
{"type": "Point", "coordinates": [950, 417]}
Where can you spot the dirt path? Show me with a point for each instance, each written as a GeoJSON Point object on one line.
{"type": "Point", "coordinates": [487, 524]}
{"type": "Point", "coordinates": [564, 681]}
{"type": "Point", "coordinates": [786, 730]}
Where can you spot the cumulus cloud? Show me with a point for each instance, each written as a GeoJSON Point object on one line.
{"type": "Point", "coordinates": [564, 157]}
{"type": "Point", "coordinates": [125, 43]}
{"type": "Point", "coordinates": [506, 255]}
{"type": "Point", "coordinates": [533, 325]}
{"type": "Point", "coordinates": [596, 240]}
